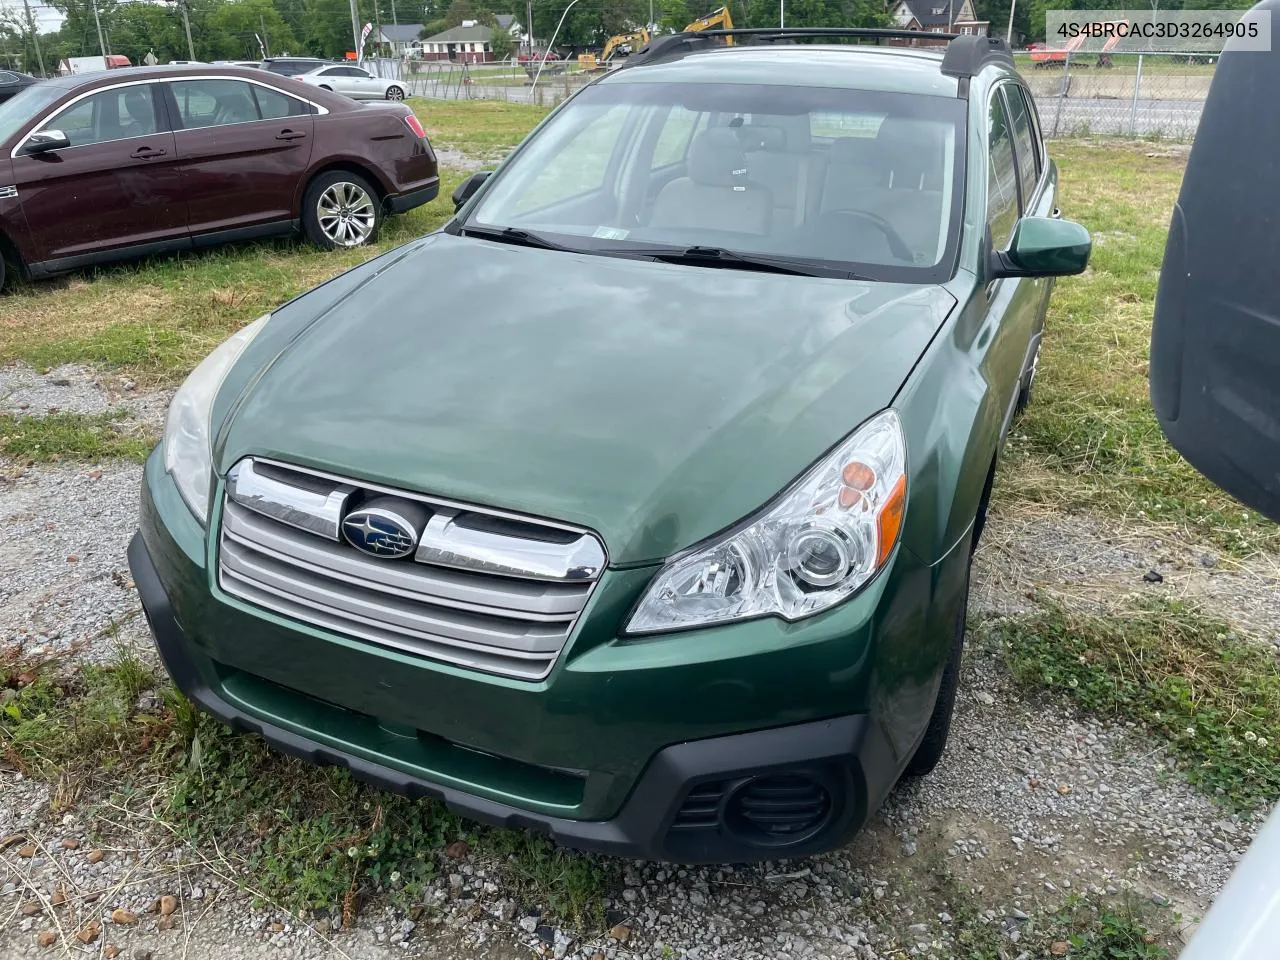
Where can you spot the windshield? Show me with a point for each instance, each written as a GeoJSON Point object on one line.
{"type": "Point", "coordinates": [22, 106]}
{"type": "Point", "coordinates": [862, 182]}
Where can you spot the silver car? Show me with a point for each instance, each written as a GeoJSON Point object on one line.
{"type": "Point", "coordinates": [355, 82]}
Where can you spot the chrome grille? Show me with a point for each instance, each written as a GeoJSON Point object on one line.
{"type": "Point", "coordinates": [279, 550]}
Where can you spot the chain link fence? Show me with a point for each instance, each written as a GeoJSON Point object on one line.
{"type": "Point", "coordinates": [1153, 95]}
{"type": "Point", "coordinates": [511, 80]}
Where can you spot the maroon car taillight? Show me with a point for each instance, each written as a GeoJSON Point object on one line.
{"type": "Point", "coordinates": [416, 126]}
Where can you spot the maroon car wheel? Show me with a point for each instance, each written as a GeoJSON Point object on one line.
{"type": "Point", "coordinates": [341, 209]}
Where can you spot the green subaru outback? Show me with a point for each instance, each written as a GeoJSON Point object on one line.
{"type": "Point", "coordinates": [636, 505]}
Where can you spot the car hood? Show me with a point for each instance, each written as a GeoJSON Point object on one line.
{"type": "Point", "coordinates": [652, 403]}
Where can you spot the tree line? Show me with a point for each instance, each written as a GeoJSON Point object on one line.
{"type": "Point", "coordinates": [249, 29]}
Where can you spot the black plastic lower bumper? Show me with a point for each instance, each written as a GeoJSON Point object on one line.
{"type": "Point", "coordinates": [647, 827]}
{"type": "Point", "coordinates": [414, 198]}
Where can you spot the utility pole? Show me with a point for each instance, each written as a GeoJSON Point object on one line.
{"type": "Point", "coordinates": [35, 34]}
{"type": "Point", "coordinates": [1008, 37]}
{"type": "Point", "coordinates": [355, 29]}
{"type": "Point", "coordinates": [377, 30]}
{"type": "Point", "coordinates": [528, 27]}
{"type": "Point", "coordinates": [266, 43]}
{"type": "Point", "coordinates": [782, 13]}
{"type": "Point", "coordinates": [186, 23]}
{"type": "Point", "coordinates": [394, 22]}
{"type": "Point", "coordinates": [102, 44]}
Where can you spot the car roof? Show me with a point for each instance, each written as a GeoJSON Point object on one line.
{"type": "Point", "coordinates": [142, 73]}
{"type": "Point", "coordinates": [845, 66]}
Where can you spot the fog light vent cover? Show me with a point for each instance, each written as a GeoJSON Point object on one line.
{"type": "Point", "coordinates": [779, 810]}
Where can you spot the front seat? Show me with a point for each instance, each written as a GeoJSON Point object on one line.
{"type": "Point", "coordinates": [139, 115]}
{"type": "Point", "coordinates": [717, 193]}
{"type": "Point", "coordinates": [235, 108]}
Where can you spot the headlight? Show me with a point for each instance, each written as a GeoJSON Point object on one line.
{"type": "Point", "coordinates": [818, 543]}
{"type": "Point", "coordinates": [188, 454]}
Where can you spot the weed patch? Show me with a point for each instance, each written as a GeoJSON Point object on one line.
{"type": "Point", "coordinates": [72, 436]}
{"type": "Point", "coordinates": [1083, 928]}
{"type": "Point", "coordinates": [299, 836]}
{"type": "Point", "coordinates": [1212, 696]}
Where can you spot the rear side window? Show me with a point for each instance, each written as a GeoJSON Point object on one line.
{"type": "Point", "coordinates": [272, 104]}
{"type": "Point", "coordinates": [1002, 179]}
{"type": "Point", "coordinates": [214, 103]}
{"type": "Point", "coordinates": [1024, 137]}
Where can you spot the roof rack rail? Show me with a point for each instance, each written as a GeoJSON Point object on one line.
{"type": "Point", "coordinates": [965, 54]}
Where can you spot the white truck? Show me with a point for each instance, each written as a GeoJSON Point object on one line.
{"type": "Point", "coordinates": [76, 65]}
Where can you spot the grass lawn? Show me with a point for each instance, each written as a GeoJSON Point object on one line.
{"type": "Point", "coordinates": [484, 129]}
{"type": "Point", "coordinates": [1122, 64]}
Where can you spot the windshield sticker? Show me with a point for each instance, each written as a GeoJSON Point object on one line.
{"type": "Point", "coordinates": [610, 233]}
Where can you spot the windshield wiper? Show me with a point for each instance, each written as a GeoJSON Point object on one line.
{"type": "Point", "coordinates": [728, 259]}
{"type": "Point", "coordinates": [512, 235]}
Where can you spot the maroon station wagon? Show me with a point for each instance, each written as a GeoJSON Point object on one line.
{"type": "Point", "coordinates": [134, 162]}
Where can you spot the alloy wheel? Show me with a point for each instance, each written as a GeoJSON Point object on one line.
{"type": "Point", "coordinates": [346, 214]}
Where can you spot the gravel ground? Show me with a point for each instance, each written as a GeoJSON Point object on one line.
{"type": "Point", "coordinates": [1030, 804]}
{"type": "Point", "coordinates": [76, 389]}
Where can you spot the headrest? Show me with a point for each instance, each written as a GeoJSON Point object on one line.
{"type": "Point", "coordinates": [851, 150]}
{"type": "Point", "coordinates": [757, 136]}
{"type": "Point", "coordinates": [716, 159]}
{"type": "Point", "coordinates": [901, 131]}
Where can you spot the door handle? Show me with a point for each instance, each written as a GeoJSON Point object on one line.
{"type": "Point", "coordinates": [290, 135]}
{"type": "Point", "coordinates": [146, 153]}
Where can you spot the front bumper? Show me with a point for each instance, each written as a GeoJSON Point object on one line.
{"type": "Point", "coordinates": [611, 749]}
{"type": "Point", "coordinates": [642, 829]}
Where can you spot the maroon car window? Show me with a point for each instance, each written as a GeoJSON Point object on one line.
{"type": "Point", "coordinates": [272, 104]}
{"type": "Point", "coordinates": [214, 103]}
{"type": "Point", "coordinates": [110, 115]}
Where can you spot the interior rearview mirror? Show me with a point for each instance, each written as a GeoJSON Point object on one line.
{"type": "Point", "coordinates": [1215, 340]}
{"type": "Point", "coordinates": [46, 140]}
{"type": "Point", "coordinates": [463, 192]}
{"type": "Point", "coordinates": [1043, 247]}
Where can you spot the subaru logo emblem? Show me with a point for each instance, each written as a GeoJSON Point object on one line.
{"type": "Point", "coordinates": [385, 528]}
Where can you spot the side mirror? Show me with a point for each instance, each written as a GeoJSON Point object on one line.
{"type": "Point", "coordinates": [46, 140]}
{"type": "Point", "coordinates": [1043, 247]}
{"type": "Point", "coordinates": [464, 191]}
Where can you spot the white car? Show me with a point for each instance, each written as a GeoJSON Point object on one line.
{"type": "Point", "coordinates": [355, 82]}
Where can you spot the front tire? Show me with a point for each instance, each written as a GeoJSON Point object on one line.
{"type": "Point", "coordinates": [341, 210]}
{"type": "Point", "coordinates": [395, 93]}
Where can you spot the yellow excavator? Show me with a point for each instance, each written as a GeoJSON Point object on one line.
{"type": "Point", "coordinates": [719, 20]}
{"type": "Point", "coordinates": [636, 40]}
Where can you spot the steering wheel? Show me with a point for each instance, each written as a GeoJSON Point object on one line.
{"type": "Point", "coordinates": [897, 246]}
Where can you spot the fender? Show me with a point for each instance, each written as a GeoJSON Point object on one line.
{"type": "Point", "coordinates": [954, 419]}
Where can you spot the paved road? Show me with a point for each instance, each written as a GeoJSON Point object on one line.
{"type": "Point", "coordinates": [1170, 118]}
